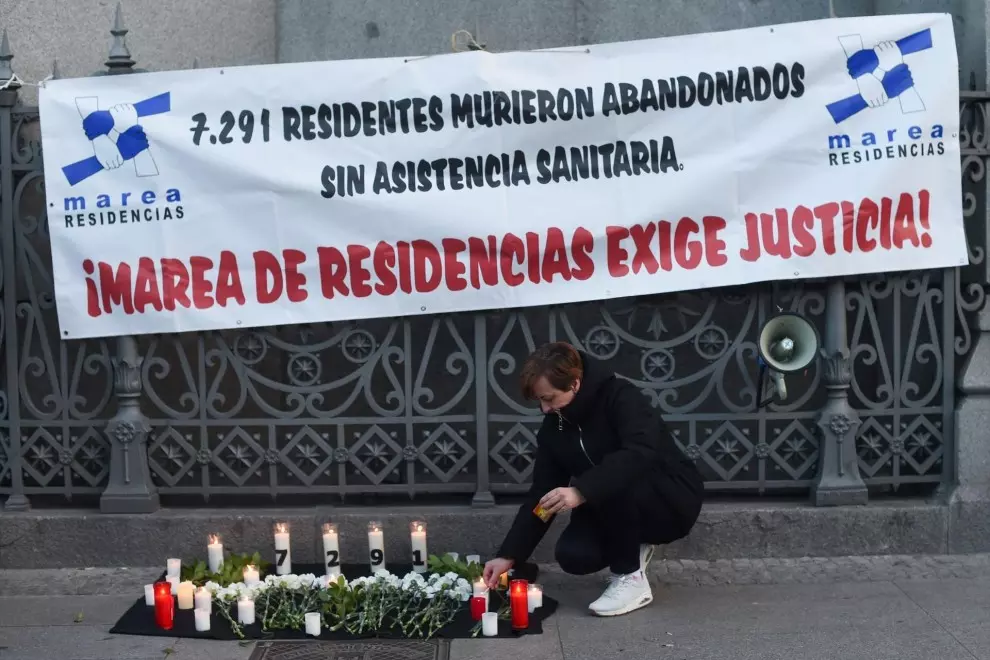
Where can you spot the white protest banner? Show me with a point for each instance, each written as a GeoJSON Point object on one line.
{"type": "Point", "coordinates": [266, 195]}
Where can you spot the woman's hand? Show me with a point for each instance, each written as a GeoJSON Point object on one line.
{"type": "Point", "coordinates": [494, 570]}
{"type": "Point", "coordinates": [559, 500]}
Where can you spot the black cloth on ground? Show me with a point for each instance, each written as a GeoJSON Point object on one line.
{"type": "Point", "coordinates": [140, 618]}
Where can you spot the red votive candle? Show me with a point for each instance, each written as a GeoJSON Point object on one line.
{"type": "Point", "coordinates": [164, 605]}
{"type": "Point", "coordinates": [478, 607]}
{"type": "Point", "coordinates": [519, 604]}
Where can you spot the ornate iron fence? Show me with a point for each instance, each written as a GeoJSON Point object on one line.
{"type": "Point", "coordinates": [429, 405]}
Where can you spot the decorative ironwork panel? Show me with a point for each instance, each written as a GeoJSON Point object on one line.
{"type": "Point", "coordinates": [381, 406]}
{"type": "Point", "coordinates": [63, 387]}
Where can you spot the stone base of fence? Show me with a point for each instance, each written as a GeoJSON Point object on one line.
{"type": "Point", "coordinates": [73, 538]}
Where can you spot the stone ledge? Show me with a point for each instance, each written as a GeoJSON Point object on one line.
{"type": "Point", "coordinates": [87, 538]}
{"type": "Point", "coordinates": [663, 573]}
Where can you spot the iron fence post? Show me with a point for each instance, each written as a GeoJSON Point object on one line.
{"type": "Point", "coordinates": [483, 496]}
{"type": "Point", "coordinates": [838, 481]}
{"type": "Point", "coordinates": [17, 500]}
{"type": "Point", "coordinates": [129, 486]}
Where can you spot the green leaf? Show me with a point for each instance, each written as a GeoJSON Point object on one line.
{"type": "Point", "coordinates": [78, 618]}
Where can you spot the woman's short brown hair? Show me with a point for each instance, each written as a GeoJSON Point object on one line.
{"type": "Point", "coordinates": [559, 362]}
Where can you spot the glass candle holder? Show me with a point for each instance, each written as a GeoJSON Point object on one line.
{"type": "Point", "coordinates": [519, 604]}
{"type": "Point", "coordinates": [164, 606]}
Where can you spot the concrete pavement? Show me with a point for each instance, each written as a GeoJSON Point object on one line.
{"type": "Point", "coordinates": [886, 608]}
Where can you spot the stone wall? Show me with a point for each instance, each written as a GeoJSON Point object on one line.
{"type": "Point", "coordinates": [170, 35]}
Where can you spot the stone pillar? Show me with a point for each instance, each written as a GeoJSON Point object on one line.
{"type": "Point", "coordinates": [969, 501]}
{"type": "Point", "coordinates": [838, 481]}
{"type": "Point", "coordinates": [129, 489]}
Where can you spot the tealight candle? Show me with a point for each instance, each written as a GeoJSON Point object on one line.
{"type": "Point", "coordinates": [245, 611]}
{"type": "Point", "coordinates": [331, 549]}
{"type": "Point", "coordinates": [149, 594]}
{"type": "Point", "coordinates": [489, 624]}
{"type": "Point", "coordinates": [185, 595]}
{"type": "Point", "coordinates": [313, 623]}
{"type": "Point", "coordinates": [519, 604]}
{"type": "Point", "coordinates": [164, 606]}
{"type": "Point", "coordinates": [251, 575]}
{"type": "Point", "coordinates": [204, 599]}
{"type": "Point", "coordinates": [283, 559]}
{"type": "Point", "coordinates": [417, 532]}
{"type": "Point", "coordinates": [473, 559]}
{"type": "Point", "coordinates": [214, 553]}
{"type": "Point", "coordinates": [535, 597]}
{"type": "Point", "coordinates": [173, 566]}
{"type": "Point", "coordinates": [376, 546]}
{"type": "Point", "coordinates": [202, 619]}
{"type": "Point", "coordinates": [174, 581]}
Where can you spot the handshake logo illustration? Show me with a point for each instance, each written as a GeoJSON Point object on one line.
{"type": "Point", "coordinates": [115, 134]}
{"type": "Point", "coordinates": [881, 74]}
{"type": "Point", "coordinates": [117, 137]}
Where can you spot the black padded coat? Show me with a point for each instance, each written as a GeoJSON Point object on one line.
{"type": "Point", "coordinates": [614, 447]}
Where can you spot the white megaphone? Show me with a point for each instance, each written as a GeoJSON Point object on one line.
{"type": "Point", "coordinates": [788, 343]}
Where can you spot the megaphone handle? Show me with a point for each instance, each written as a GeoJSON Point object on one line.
{"type": "Point", "coordinates": [778, 381]}
{"type": "Point", "coordinates": [760, 401]}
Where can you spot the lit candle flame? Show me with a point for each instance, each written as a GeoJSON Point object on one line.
{"type": "Point", "coordinates": [330, 528]}
{"type": "Point", "coordinates": [281, 528]}
{"type": "Point", "coordinates": [214, 539]}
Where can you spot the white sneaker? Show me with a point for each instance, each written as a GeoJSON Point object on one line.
{"type": "Point", "coordinates": [623, 594]}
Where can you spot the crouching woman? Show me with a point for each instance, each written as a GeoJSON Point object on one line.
{"type": "Point", "coordinates": [604, 454]}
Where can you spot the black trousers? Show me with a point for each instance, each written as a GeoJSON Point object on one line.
{"type": "Point", "coordinates": [610, 536]}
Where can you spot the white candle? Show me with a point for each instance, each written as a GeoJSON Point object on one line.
{"type": "Point", "coordinates": [489, 624]}
{"type": "Point", "coordinates": [204, 599]}
{"type": "Point", "coordinates": [479, 588]}
{"type": "Point", "coordinates": [186, 595]}
{"type": "Point", "coordinates": [376, 546]}
{"type": "Point", "coordinates": [173, 566]}
{"type": "Point", "coordinates": [202, 619]}
{"type": "Point", "coordinates": [331, 549]}
{"type": "Point", "coordinates": [174, 581]}
{"type": "Point", "coordinates": [313, 624]}
{"type": "Point", "coordinates": [283, 558]}
{"type": "Point", "coordinates": [214, 553]}
{"type": "Point", "coordinates": [245, 611]}
{"type": "Point", "coordinates": [473, 559]}
{"type": "Point", "coordinates": [149, 594]}
{"type": "Point", "coordinates": [417, 532]}
{"type": "Point", "coordinates": [453, 555]}
{"type": "Point", "coordinates": [535, 594]}
{"type": "Point", "coordinates": [251, 575]}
